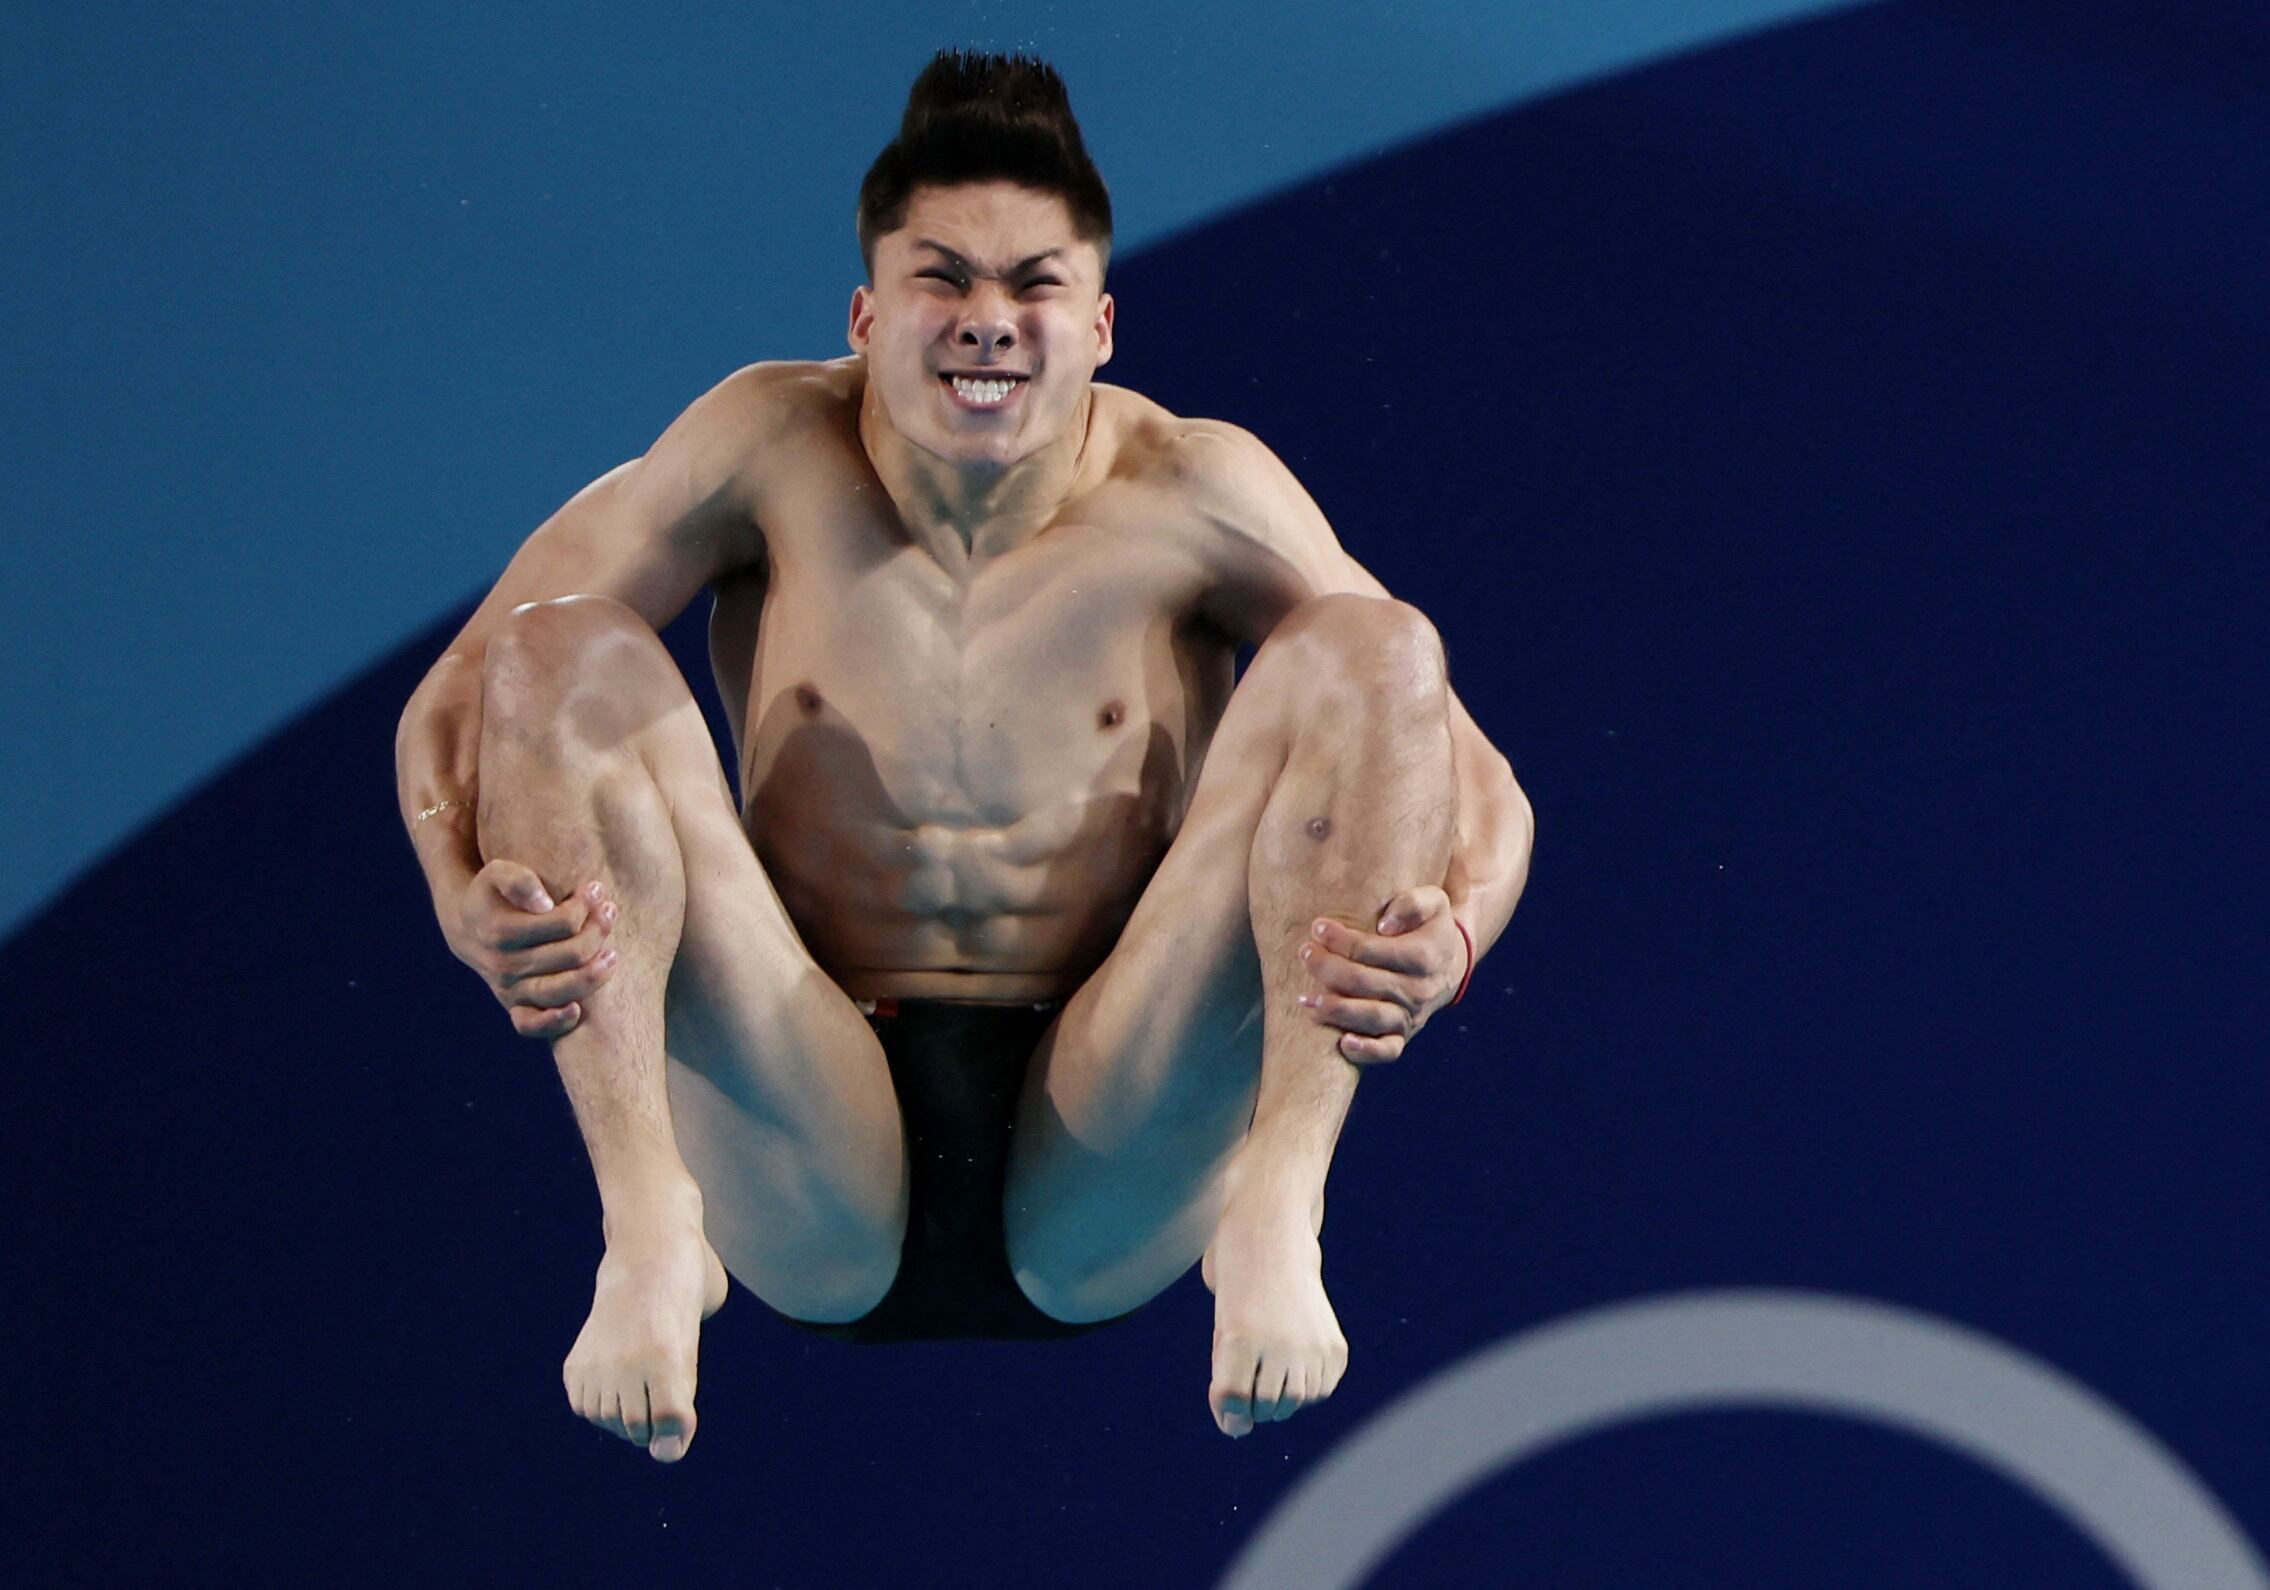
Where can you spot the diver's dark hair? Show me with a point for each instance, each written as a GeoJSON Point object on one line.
{"type": "Point", "coordinates": [972, 117]}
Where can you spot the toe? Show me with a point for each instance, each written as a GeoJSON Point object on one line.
{"type": "Point", "coordinates": [1295, 1395]}
{"type": "Point", "coordinates": [1231, 1394]}
{"type": "Point", "coordinates": [672, 1424]}
{"type": "Point", "coordinates": [638, 1417]}
{"type": "Point", "coordinates": [1272, 1395]}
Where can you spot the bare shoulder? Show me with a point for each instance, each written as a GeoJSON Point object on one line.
{"type": "Point", "coordinates": [1225, 478]}
{"type": "Point", "coordinates": [1203, 463]}
{"type": "Point", "coordinates": [772, 400]}
{"type": "Point", "coordinates": [1264, 541]}
{"type": "Point", "coordinates": [733, 449]}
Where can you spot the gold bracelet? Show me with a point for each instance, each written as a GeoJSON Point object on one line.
{"type": "Point", "coordinates": [439, 807]}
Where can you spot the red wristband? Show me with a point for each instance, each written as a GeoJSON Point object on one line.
{"type": "Point", "coordinates": [1469, 977]}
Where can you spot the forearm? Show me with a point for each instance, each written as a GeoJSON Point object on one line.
{"type": "Point", "coordinates": [1489, 862]}
{"type": "Point", "coordinates": [437, 750]}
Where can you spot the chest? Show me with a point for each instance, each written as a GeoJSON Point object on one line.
{"type": "Point", "coordinates": [980, 688]}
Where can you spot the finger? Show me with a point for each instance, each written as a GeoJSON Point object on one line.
{"type": "Point", "coordinates": [531, 1022]}
{"type": "Point", "coordinates": [1369, 1051]}
{"type": "Point", "coordinates": [1395, 953]}
{"type": "Point", "coordinates": [1413, 907]}
{"type": "Point", "coordinates": [562, 955]}
{"type": "Point", "coordinates": [563, 988]}
{"type": "Point", "coordinates": [518, 890]}
{"type": "Point", "coordinates": [517, 885]}
{"type": "Point", "coordinates": [1358, 981]}
{"type": "Point", "coordinates": [518, 929]}
{"type": "Point", "coordinates": [1370, 1017]}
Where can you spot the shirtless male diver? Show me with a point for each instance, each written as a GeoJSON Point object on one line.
{"type": "Point", "coordinates": [1038, 961]}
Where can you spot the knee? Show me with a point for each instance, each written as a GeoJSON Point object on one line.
{"type": "Point", "coordinates": [550, 664]}
{"type": "Point", "coordinates": [1373, 643]}
{"type": "Point", "coordinates": [539, 642]}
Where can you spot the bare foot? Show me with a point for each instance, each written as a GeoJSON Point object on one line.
{"type": "Point", "coordinates": [1277, 1343]}
{"type": "Point", "coordinates": [632, 1369]}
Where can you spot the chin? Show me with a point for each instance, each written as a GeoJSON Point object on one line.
{"type": "Point", "coordinates": [997, 451]}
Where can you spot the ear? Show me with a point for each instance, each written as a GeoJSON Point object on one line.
{"type": "Point", "coordinates": [862, 317]}
{"type": "Point", "coordinates": [1106, 313]}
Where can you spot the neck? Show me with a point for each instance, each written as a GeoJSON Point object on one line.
{"type": "Point", "coordinates": [971, 511]}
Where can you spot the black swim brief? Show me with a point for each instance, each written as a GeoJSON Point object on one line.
{"type": "Point", "coordinates": [959, 1070]}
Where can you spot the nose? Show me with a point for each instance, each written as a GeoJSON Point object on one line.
{"type": "Point", "coordinates": [986, 328]}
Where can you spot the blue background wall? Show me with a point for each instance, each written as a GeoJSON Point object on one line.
{"type": "Point", "coordinates": [321, 309]}
{"type": "Point", "coordinates": [1836, 459]}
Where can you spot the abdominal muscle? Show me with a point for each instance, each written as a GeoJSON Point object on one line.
{"type": "Point", "coordinates": [993, 861]}
{"type": "Point", "coordinates": [1018, 911]}
{"type": "Point", "coordinates": [944, 913]}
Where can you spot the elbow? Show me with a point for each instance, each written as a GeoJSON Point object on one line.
{"type": "Point", "coordinates": [449, 670]}
{"type": "Point", "coordinates": [1516, 798]}
{"type": "Point", "coordinates": [1521, 816]}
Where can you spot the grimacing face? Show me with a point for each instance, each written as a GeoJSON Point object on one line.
{"type": "Point", "coordinates": [989, 283]}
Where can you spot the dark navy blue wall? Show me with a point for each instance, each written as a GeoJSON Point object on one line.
{"type": "Point", "coordinates": [1837, 464]}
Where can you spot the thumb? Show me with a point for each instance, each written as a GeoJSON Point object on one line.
{"type": "Point", "coordinates": [525, 890]}
{"type": "Point", "coordinates": [1413, 906]}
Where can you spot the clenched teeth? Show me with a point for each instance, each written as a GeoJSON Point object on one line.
{"type": "Point", "coordinates": [981, 391]}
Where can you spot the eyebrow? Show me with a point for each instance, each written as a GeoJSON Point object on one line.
{"type": "Point", "coordinates": [1017, 269]}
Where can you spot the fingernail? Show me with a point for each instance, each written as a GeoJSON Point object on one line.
{"type": "Point", "coordinates": [607, 913]}
{"type": "Point", "coordinates": [606, 960]}
{"type": "Point", "coordinates": [1309, 1000]}
{"type": "Point", "coordinates": [1319, 927]}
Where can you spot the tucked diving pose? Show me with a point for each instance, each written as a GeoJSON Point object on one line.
{"type": "Point", "coordinates": [1040, 955]}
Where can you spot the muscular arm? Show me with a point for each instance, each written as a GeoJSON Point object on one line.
{"type": "Point", "coordinates": [649, 533]}
{"type": "Point", "coordinates": [1276, 550]}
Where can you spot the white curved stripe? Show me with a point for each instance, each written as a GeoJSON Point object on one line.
{"type": "Point", "coordinates": [2083, 1457]}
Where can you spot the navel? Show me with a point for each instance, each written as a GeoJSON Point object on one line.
{"type": "Point", "coordinates": [808, 699]}
{"type": "Point", "coordinates": [1114, 712]}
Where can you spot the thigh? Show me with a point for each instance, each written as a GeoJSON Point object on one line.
{"type": "Point", "coordinates": [781, 1101]}
{"type": "Point", "coordinates": [780, 1097]}
{"type": "Point", "coordinates": [1139, 1097]}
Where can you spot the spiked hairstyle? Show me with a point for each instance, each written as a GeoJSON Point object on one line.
{"type": "Point", "coordinates": [972, 117]}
